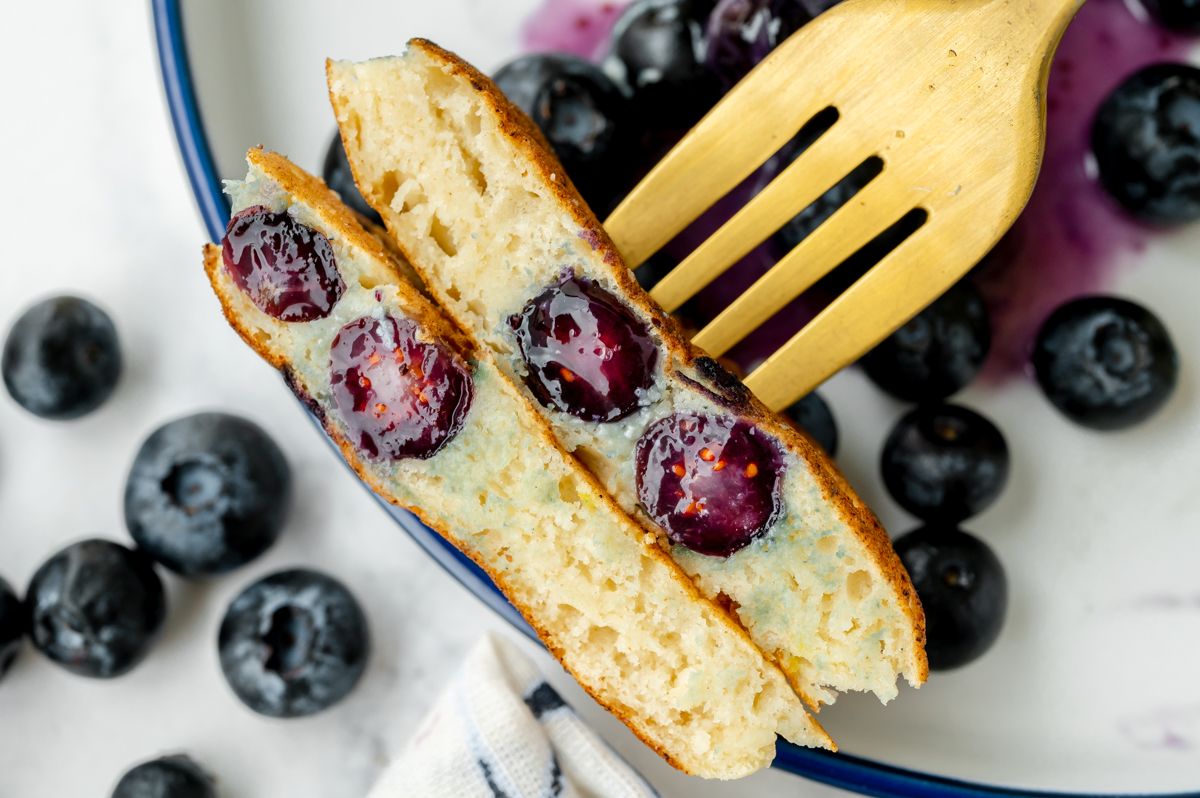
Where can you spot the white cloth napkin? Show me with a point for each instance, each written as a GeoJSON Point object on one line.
{"type": "Point", "coordinates": [500, 731]}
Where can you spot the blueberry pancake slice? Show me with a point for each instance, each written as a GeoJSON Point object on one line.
{"type": "Point", "coordinates": [751, 509]}
{"type": "Point", "coordinates": [433, 425]}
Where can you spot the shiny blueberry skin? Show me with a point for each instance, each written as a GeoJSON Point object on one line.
{"type": "Point", "coordinates": [584, 116]}
{"type": "Point", "coordinates": [586, 353]}
{"type": "Point", "coordinates": [944, 463]}
{"type": "Point", "coordinates": [962, 588]}
{"type": "Point", "coordinates": [659, 44]}
{"type": "Point", "coordinates": [1146, 139]}
{"type": "Point", "coordinates": [1106, 363]}
{"type": "Point", "coordinates": [1181, 15]}
{"type": "Point", "coordinates": [815, 418]}
{"type": "Point", "coordinates": [175, 776]}
{"type": "Point", "coordinates": [937, 352]}
{"type": "Point", "coordinates": [711, 482]}
{"type": "Point", "coordinates": [12, 626]}
{"type": "Point", "coordinates": [62, 358]}
{"type": "Point", "coordinates": [743, 32]}
{"type": "Point", "coordinates": [293, 643]}
{"type": "Point", "coordinates": [400, 396]}
{"type": "Point", "coordinates": [96, 608]}
{"type": "Point", "coordinates": [286, 269]}
{"type": "Point", "coordinates": [339, 177]}
{"type": "Point", "coordinates": [207, 493]}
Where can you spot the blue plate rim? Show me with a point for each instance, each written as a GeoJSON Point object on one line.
{"type": "Point", "coordinates": [844, 771]}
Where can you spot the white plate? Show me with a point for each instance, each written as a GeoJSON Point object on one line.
{"type": "Point", "coordinates": [1093, 684]}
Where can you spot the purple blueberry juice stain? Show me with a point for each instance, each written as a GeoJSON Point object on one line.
{"type": "Point", "coordinates": [1066, 244]}
{"type": "Point", "coordinates": [1071, 235]}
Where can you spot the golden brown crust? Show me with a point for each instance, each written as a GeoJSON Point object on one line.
{"type": "Point", "coordinates": [313, 193]}
{"type": "Point", "coordinates": [836, 491]}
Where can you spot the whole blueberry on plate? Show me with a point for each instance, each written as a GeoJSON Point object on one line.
{"type": "Point", "coordinates": [944, 463]}
{"type": "Point", "coordinates": [1106, 363]}
{"type": "Point", "coordinates": [96, 608]}
{"type": "Point", "coordinates": [207, 494]}
{"type": "Point", "coordinates": [583, 115]}
{"type": "Point", "coordinates": [175, 776]}
{"type": "Point", "coordinates": [962, 588]}
{"type": "Point", "coordinates": [812, 414]}
{"type": "Point", "coordinates": [12, 626]}
{"type": "Point", "coordinates": [340, 178]}
{"type": "Point", "coordinates": [1175, 14]}
{"type": "Point", "coordinates": [743, 32]}
{"type": "Point", "coordinates": [293, 644]}
{"type": "Point", "coordinates": [1146, 139]}
{"type": "Point", "coordinates": [801, 226]}
{"type": "Point", "coordinates": [937, 352]}
{"type": "Point", "coordinates": [659, 45]}
{"type": "Point", "coordinates": [62, 359]}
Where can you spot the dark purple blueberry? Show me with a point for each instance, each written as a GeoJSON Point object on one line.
{"type": "Point", "coordinates": [583, 115]}
{"type": "Point", "coordinates": [175, 776]}
{"type": "Point", "coordinates": [62, 358]}
{"type": "Point", "coordinates": [962, 588]}
{"type": "Point", "coordinates": [293, 644]}
{"type": "Point", "coordinates": [339, 177]}
{"type": "Point", "coordinates": [944, 463]}
{"type": "Point", "coordinates": [1181, 15]}
{"type": "Point", "coordinates": [96, 608]}
{"type": "Point", "coordinates": [12, 626]}
{"type": "Point", "coordinates": [207, 493]}
{"type": "Point", "coordinates": [585, 352]}
{"type": "Point", "coordinates": [1106, 363]}
{"type": "Point", "coordinates": [937, 352]}
{"type": "Point", "coordinates": [286, 269]}
{"type": "Point", "coordinates": [743, 32]}
{"type": "Point", "coordinates": [711, 482]}
{"type": "Point", "coordinates": [1146, 139]}
{"type": "Point", "coordinates": [804, 223]}
{"type": "Point", "coordinates": [659, 44]}
{"type": "Point", "coordinates": [814, 417]}
{"type": "Point", "coordinates": [400, 396]}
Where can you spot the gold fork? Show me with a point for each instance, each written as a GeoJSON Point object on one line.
{"type": "Point", "coordinates": [949, 94]}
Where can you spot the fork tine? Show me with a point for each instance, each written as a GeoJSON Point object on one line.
{"type": "Point", "coordinates": [918, 271]}
{"type": "Point", "coordinates": [742, 131]}
{"type": "Point", "coordinates": [817, 170]}
{"type": "Point", "coordinates": [880, 203]}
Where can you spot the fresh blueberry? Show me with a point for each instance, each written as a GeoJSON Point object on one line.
{"type": "Point", "coordinates": [293, 644]}
{"type": "Point", "coordinates": [285, 268]}
{"type": "Point", "coordinates": [1146, 139]}
{"type": "Point", "coordinates": [944, 463]}
{"type": "Point", "coordinates": [812, 414]}
{"type": "Point", "coordinates": [399, 395]}
{"type": "Point", "coordinates": [62, 358]}
{"type": "Point", "coordinates": [169, 777]}
{"type": "Point", "coordinates": [743, 32]}
{"type": "Point", "coordinates": [340, 178]}
{"type": "Point", "coordinates": [711, 482]}
{"type": "Point", "coordinates": [1106, 363]}
{"type": "Point", "coordinates": [96, 608]}
{"type": "Point", "coordinates": [12, 626]}
{"type": "Point", "coordinates": [585, 352]}
{"type": "Point", "coordinates": [207, 493]}
{"type": "Point", "coordinates": [937, 352]}
{"type": "Point", "coordinates": [962, 588]}
{"type": "Point", "coordinates": [659, 44]}
{"type": "Point", "coordinates": [1175, 14]}
{"type": "Point", "coordinates": [584, 116]}
{"type": "Point", "coordinates": [804, 223]}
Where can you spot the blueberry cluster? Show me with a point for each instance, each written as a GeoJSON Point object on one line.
{"type": "Point", "coordinates": [206, 494]}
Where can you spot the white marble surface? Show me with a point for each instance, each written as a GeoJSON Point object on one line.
{"type": "Point", "coordinates": [1091, 686]}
